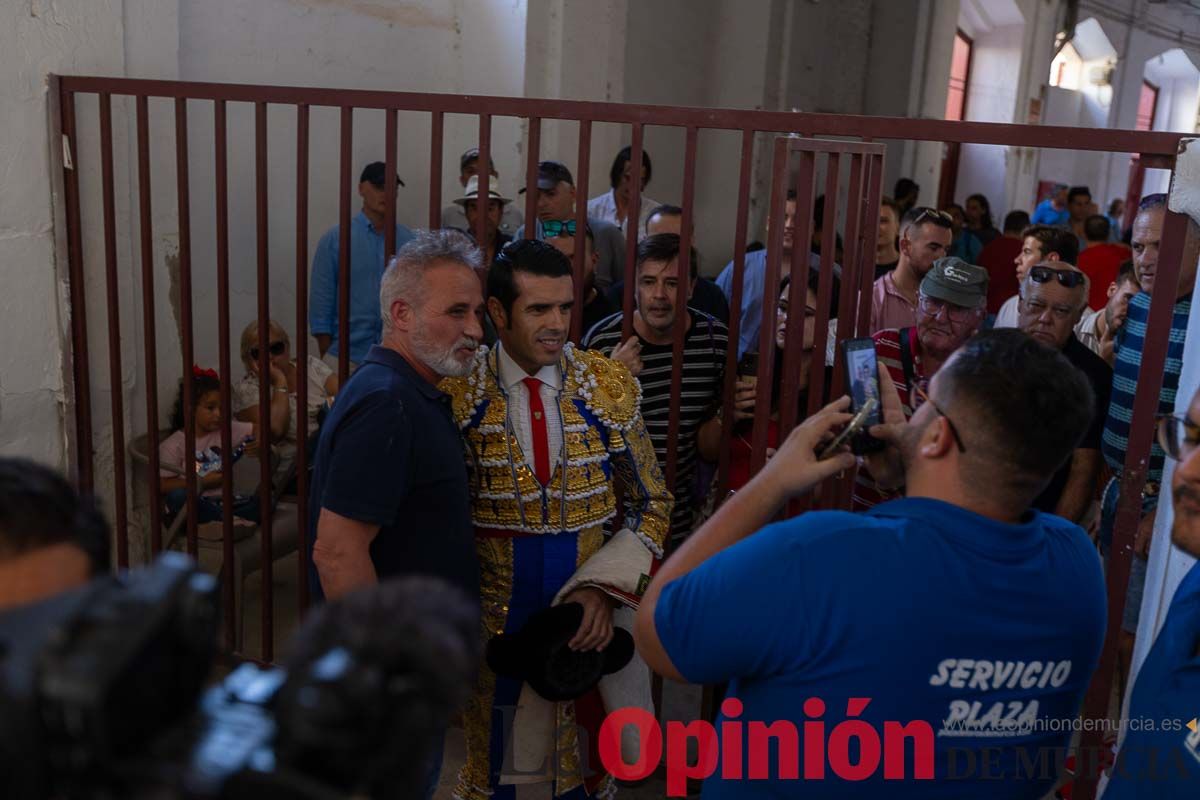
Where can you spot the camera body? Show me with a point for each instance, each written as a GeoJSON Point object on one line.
{"type": "Point", "coordinates": [102, 693]}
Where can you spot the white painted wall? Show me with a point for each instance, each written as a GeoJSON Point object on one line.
{"type": "Point", "coordinates": [991, 97]}
{"type": "Point", "coordinates": [40, 38]}
{"type": "Point", "coordinates": [467, 46]}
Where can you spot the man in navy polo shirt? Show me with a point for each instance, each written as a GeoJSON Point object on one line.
{"type": "Point", "coordinates": [937, 646]}
{"type": "Point", "coordinates": [389, 493]}
{"type": "Point", "coordinates": [1163, 761]}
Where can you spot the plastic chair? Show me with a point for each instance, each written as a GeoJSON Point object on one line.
{"type": "Point", "coordinates": [247, 538]}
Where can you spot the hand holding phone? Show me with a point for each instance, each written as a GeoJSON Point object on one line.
{"type": "Point", "coordinates": [855, 427]}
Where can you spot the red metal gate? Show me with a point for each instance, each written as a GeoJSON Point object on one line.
{"type": "Point", "coordinates": [1155, 149]}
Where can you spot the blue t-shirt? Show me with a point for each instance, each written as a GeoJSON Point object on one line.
{"type": "Point", "coordinates": [1047, 214]}
{"type": "Point", "coordinates": [1160, 756]}
{"type": "Point", "coordinates": [931, 612]}
{"type": "Point", "coordinates": [391, 455]}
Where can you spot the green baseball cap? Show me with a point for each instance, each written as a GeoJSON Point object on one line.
{"type": "Point", "coordinates": [955, 281]}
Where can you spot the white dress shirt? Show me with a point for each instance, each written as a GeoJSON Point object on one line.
{"type": "Point", "coordinates": [1009, 316]}
{"type": "Point", "coordinates": [512, 379]}
{"type": "Point", "coordinates": [604, 208]}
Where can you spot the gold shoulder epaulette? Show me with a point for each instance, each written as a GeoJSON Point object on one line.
{"type": "Point", "coordinates": [607, 388]}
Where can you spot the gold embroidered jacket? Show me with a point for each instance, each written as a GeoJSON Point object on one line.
{"type": "Point", "coordinates": [603, 437]}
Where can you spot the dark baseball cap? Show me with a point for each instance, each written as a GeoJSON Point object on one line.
{"type": "Point", "coordinates": [472, 154]}
{"type": "Point", "coordinates": [955, 281]}
{"type": "Point", "coordinates": [375, 173]}
{"type": "Point", "coordinates": [550, 173]}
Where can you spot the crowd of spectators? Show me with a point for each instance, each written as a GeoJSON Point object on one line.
{"type": "Point", "coordinates": [1008, 361]}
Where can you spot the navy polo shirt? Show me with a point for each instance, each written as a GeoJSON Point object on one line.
{"type": "Point", "coordinates": [390, 454]}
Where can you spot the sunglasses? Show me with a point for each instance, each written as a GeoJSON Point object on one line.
{"type": "Point", "coordinates": [924, 396]}
{"type": "Point", "coordinates": [558, 227]}
{"type": "Point", "coordinates": [1067, 277]}
{"type": "Point", "coordinates": [276, 349]}
{"type": "Point", "coordinates": [1178, 436]}
{"type": "Point", "coordinates": [927, 214]}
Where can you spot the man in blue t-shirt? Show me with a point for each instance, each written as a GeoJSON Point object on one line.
{"type": "Point", "coordinates": [937, 646]}
{"type": "Point", "coordinates": [1162, 760]}
{"type": "Point", "coordinates": [1053, 210]}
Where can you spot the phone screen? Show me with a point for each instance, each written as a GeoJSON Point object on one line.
{"type": "Point", "coordinates": [862, 378]}
{"type": "Point", "coordinates": [862, 374]}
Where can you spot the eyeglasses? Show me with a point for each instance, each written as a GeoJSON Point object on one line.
{"type": "Point", "coordinates": [921, 393]}
{"type": "Point", "coordinates": [927, 214]}
{"type": "Point", "coordinates": [276, 349]}
{"type": "Point", "coordinates": [933, 306]}
{"type": "Point", "coordinates": [558, 227]}
{"type": "Point", "coordinates": [1067, 277]}
{"type": "Point", "coordinates": [1178, 436]}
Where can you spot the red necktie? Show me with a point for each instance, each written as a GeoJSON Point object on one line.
{"type": "Point", "coordinates": [537, 421]}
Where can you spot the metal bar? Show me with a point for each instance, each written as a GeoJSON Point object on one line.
{"type": "Point", "coordinates": [344, 256]}
{"type": "Point", "coordinates": [532, 157]}
{"type": "Point", "coordinates": [302, 353]}
{"type": "Point", "coordinates": [78, 294]}
{"type": "Point", "coordinates": [631, 230]}
{"type": "Point", "coordinates": [221, 160]}
{"type": "Point", "coordinates": [1178, 236]}
{"type": "Point", "coordinates": [735, 311]}
{"type": "Point", "coordinates": [1046, 136]}
{"type": "Point", "coordinates": [866, 258]}
{"type": "Point", "coordinates": [816, 375]}
{"type": "Point", "coordinates": [1133, 193]}
{"type": "Point", "coordinates": [148, 306]}
{"type": "Point", "coordinates": [837, 492]}
{"type": "Point", "coordinates": [265, 494]}
{"type": "Point", "coordinates": [682, 315]}
{"type": "Point", "coordinates": [482, 198]}
{"type": "Point", "coordinates": [112, 283]}
{"type": "Point", "coordinates": [581, 188]}
{"type": "Point", "coordinates": [437, 129]}
{"type": "Point", "coordinates": [389, 188]}
{"type": "Point", "coordinates": [185, 316]}
{"type": "Point", "coordinates": [847, 300]}
{"type": "Point", "coordinates": [867, 251]}
{"type": "Point", "coordinates": [766, 334]}
{"type": "Point", "coordinates": [789, 392]}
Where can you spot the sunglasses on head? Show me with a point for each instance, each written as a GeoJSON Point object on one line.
{"type": "Point", "coordinates": [1067, 277]}
{"type": "Point", "coordinates": [927, 214]}
{"type": "Point", "coordinates": [558, 227]}
{"type": "Point", "coordinates": [276, 349]}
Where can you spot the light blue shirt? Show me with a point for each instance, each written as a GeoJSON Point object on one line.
{"type": "Point", "coordinates": [366, 271]}
{"type": "Point", "coordinates": [752, 294]}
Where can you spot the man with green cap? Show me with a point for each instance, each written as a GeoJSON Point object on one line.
{"type": "Point", "coordinates": [1053, 297]}
{"type": "Point", "coordinates": [951, 307]}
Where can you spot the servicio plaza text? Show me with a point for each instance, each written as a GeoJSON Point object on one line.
{"type": "Point", "coordinates": [851, 750]}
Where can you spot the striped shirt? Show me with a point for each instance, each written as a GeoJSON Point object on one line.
{"type": "Point", "coordinates": [887, 351]}
{"type": "Point", "coordinates": [1129, 346]}
{"type": "Point", "coordinates": [703, 373]}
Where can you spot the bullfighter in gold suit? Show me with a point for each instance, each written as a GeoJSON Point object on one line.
{"type": "Point", "coordinates": [549, 428]}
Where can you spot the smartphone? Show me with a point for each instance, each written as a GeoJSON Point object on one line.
{"type": "Point", "coordinates": [747, 368]}
{"type": "Point", "coordinates": [862, 377]}
{"type": "Point", "coordinates": [854, 428]}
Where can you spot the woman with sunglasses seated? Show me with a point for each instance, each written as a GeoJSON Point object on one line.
{"type": "Point", "coordinates": [284, 376]}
